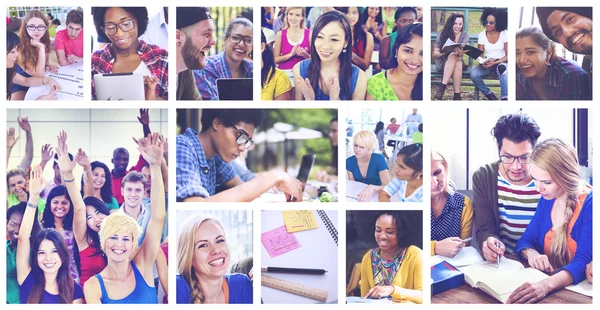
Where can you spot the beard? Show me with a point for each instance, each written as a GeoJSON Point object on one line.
{"type": "Point", "coordinates": [191, 55]}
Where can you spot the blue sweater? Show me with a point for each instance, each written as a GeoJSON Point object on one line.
{"type": "Point", "coordinates": [582, 234]}
{"type": "Point", "coordinates": [240, 289]}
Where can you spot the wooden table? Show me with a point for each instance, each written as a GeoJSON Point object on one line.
{"type": "Point", "coordinates": [465, 294]}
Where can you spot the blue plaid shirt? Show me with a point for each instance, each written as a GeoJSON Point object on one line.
{"type": "Point", "coordinates": [216, 68]}
{"type": "Point", "coordinates": [196, 175]}
{"type": "Point", "coordinates": [565, 80]}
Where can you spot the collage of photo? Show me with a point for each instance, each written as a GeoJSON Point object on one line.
{"type": "Point", "coordinates": [510, 191]}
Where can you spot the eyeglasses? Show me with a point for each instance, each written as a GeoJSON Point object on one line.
{"type": "Point", "coordinates": [38, 28]}
{"type": "Point", "coordinates": [243, 138]}
{"type": "Point", "coordinates": [490, 23]}
{"type": "Point", "coordinates": [523, 159]}
{"type": "Point", "coordinates": [236, 38]}
{"type": "Point", "coordinates": [126, 25]}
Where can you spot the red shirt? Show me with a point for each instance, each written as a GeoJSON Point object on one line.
{"type": "Point", "coordinates": [62, 41]}
{"type": "Point", "coordinates": [117, 181]}
{"type": "Point", "coordinates": [392, 128]}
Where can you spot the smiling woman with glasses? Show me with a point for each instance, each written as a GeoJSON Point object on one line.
{"type": "Point", "coordinates": [232, 62]}
{"type": "Point", "coordinates": [126, 53]}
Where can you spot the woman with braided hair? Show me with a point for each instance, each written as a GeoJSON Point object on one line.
{"type": "Point", "coordinates": [558, 240]}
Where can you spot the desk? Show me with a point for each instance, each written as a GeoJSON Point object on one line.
{"type": "Point", "coordinates": [353, 188]}
{"type": "Point", "coordinates": [465, 294]}
{"type": "Point", "coordinates": [70, 79]}
{"type": "Point", "coordinates": [309, 195]}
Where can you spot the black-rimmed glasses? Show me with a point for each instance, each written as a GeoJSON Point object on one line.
{"type": "Point", "coordinates": [236, 38]}
{"type": "Point", "coordinates": [243, 139]}
{"type": "Point", "coordinates": [523, 159]}
{"type": "Point", "coordinates": [38, 28]}
{"type": "Point", "coordinates": [126, 25]}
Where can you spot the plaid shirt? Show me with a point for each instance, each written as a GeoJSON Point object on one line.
{"type": "Point", "coordinates": [155, 58]}
{"type": "Point", "coordinates": [197, 175]}
{"type": "Point", "coordinates": [565, 80]}
{"type": "Point", "coordinates": [216, 68]}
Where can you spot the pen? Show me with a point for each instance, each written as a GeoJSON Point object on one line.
{"type": "Point", "coordinates": [466, 240]}
{"type": "Point", "coordinates": [293, 270]}
{"type": "Point", "coordinates": [497, 257]}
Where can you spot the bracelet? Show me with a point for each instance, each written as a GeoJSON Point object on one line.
{"type": "Point", "coordinates": [67, 181]}
{"type": "Point", "coordinates": [31, 205]}
{"type": "Point", "coordinates": [394, 291]}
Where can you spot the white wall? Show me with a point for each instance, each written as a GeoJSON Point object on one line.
{"type": "Point", "coordinates": [97, 131]}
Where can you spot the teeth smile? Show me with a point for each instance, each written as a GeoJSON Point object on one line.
{"type": "Point", "coordinates": [577, 38]}
{"type": "Point", "coordinates": [118, 252]}
{"type": "Point", "coordinates": [411, 66]}
{"type": "Point", "coordinates": [49, 265]}
{"type": "Point", "coordinates": [217, 262]}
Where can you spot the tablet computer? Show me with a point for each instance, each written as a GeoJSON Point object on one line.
{"type": "Point", "coordinates": [119, 86]}
{"type": "Point", "coordinates": [235, 89]}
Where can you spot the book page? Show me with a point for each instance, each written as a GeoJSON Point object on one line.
{"type": "Point", "coordinates": [584, 288]}
{"type": "Point", "coordinates": [505, 284]}
{"type": "Point", "coordinates": [480, 272]}
{"type": "Point", "coordinates": [466, 257]}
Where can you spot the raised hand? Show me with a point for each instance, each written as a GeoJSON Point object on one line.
{"type": "Point", "coordinates": [65, 164]}
{"type": "Point", "coordinates": [37, 183]}
{"type": "Point", "coordinates": [307, 91]}
{"type": "Point", "coordinates": [11, 140]}
{"type": "Point", "coordinates": [144, 117]}
{"type": "Point", "coordinates": [82, 159]}
{"type": "Point", "coordinates": [24, 123]}
{"type": "Point", "coordinates": [151, 148]}
{"type": "Point", "coordinates": [47, 153]}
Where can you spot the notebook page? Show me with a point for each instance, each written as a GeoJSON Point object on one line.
{"type": "Point", "coordinates": [481, 272]}
{"type": "Point", "coordinates": [466, 257]}
{"type": "Point", "coordinates": [584, 288]}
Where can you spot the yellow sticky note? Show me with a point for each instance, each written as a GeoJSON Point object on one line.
{"type": "Point", "coordinates": [299, 220]}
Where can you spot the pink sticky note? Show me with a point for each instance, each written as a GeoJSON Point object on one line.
{"type": "Point", "coordinates": [278, 241]}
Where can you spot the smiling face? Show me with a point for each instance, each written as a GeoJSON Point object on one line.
{"type": "Point", "coordinates": [571, 30]}
{"type": "Point", "coordinates": [532, 59]}
{"type": "Point", "coordinates": [544, 184]}
{"type": "Point", "coordinates": [17, 184]}
{"type": "Point", "coordinates": [458, 26]}
{"type": "Point", "coordinates": [13, 225]}
{"type": "Point", "coordinates": [490, 23]}
{"type": "Point", "coordinates": [438, 177]}
{"type": "Point", "coordinates": [373, 11]}
{"type": "Point", "coordinates": [226, 139]}
{"type": "Point", "coordinates": [404, 20]}
{"type": "Point", "coordinates": [211, 252]}
{"type": "Point", "coordinates": [236, 52]}
{"type": "Point", "coordinates": [119, 247]}
{"type": "Point", "coordinates": [353, 16]}
{"type": "Point", "coordinates": [47, 257]}
{"type": "Point", "coordinates": [294, 17]}
{"type": "Point", "coordinates": [60, 206]}
{"type": "Point", "coordinates": [37, 22]}
{"type": "Point", "coordinates": [330, 42]}
{"type": "Point", "coordinates": [94, 218]}
{"type": "Point", "coordinates": [199, 39]}
{"type": "Point", "coordinates": [516, 172]}
{"type": "Point", "coordinates": [133, 192]}
{"type": "Point", "coordinates": [386, 234]}
{"type": "Point", "coordinates": [99, 177]}
{"type": "Point", "coordinates": [120, 160]}
{"type": "Point", "coordinates": [410, 56]}
{"type": "Point", "coordinates": [11, 58]}
{"type": "Point", "coordinates": [122, 39]}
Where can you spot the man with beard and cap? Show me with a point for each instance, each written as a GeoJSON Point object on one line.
{"type": "Point", "coordinates": [194, 34]}
{"type": "Point", "coordinates": [572, 28]}
{"type": "Point", "coordinates": [504, 193]}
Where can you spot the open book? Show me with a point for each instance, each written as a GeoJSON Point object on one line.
{"type": "Point", "coordinates": [470, 51]}
{"type": "Point", "coordinates": [465, 257]}
{"type": "Point", "coordinates": [482, 60]}
{"type": "Point", "coordinates": [502, 281]}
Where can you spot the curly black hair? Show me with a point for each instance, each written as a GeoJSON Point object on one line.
{"type": "Point", "coordinates": [516, 128]}
{"type": "Point", "coordinates": [140, 14]}
{"type": "Point", "coordinates": [501, 15]}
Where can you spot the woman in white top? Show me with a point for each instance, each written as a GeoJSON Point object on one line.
{"type": "Point", "coordinates": [493, 41]}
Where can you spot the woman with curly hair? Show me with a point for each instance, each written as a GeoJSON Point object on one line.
{"type": "Point", "coordinates": [493, 41]}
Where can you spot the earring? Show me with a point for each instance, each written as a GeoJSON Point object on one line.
{"type": "Point", "coordinates": [344, 50]}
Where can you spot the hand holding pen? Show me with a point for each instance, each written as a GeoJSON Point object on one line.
{"type": "Point", "coordinates": [493, 249]}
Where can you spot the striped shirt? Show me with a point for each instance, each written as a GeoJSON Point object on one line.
{"type": "Point", "coordinates": [516, 207]}
{"type": "Point", "coordinates": [398, 187]}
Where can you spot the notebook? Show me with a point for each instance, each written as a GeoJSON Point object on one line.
{"type": "Point", "coordinates": [318, 250]}
{"type": "Point", "coordinates": [466, 257]}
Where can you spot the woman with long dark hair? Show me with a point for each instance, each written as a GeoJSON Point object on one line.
{"type": "Point", "coordinates": [404, 81]}
{"type": "Point", "coordinates": [101, 185]}
{"type": "Point", "coordinates": [329, 74]}
{"type": "Point", "coordinates": [274, 82]}
{"type": "Point", "coordinates": [47, 278]}
{"type": "Point", "coordinates": [450, 64]}
{"type": "Point", "coordinates": [372, 22]}
{"type": "Point", "coordinates": [362, 41]}
{"type": "Point", "coordinates": [380, 134]}
{"type": "Point", "coordinates": [12, 76]}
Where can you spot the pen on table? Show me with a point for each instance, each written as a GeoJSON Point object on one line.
{"type": "Point", "coordinates": [466, 240]}
{"type": "Point", "coordinates": [497, 257]}
{"type": "Point", "coordinates": [293, 270]}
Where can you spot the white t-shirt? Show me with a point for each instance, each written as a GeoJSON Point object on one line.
{"type": "Point", "coordinates": [495, 50]}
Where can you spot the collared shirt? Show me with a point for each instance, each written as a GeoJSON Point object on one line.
{"type": "Point", "coordinates": [156, 33]}
{"type": "Point", "coordinates": [564, 80]}
{"type": "Point", "coordinates": [216, 68]}
{"type": "Point", "coordinates": [117, 181]}
{"type": "Point", "coordinates": [143, 219]}
{"type": "Point", "coordinates": [413, 118]}
{"type": "Point", "coordinates": [155, 58]}
{"type": "Point", "coordinates": [197, 175]}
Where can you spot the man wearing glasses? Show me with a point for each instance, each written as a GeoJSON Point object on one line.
{"type": "Point", "coordinates": [504, 195]}
{"type": "Point", "coordinates": [68, 43]}
{"type": "Point", "coordinates": [203, 160]}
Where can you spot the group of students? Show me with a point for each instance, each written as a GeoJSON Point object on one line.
{"type": "Point", "coordinates": [371, 168]}
{"type": "Point", "coordinates": [28, 53]}
{"type": "Point", "coordinates": [530, 203]}
{"type": "Point", "coordinates": [327, 59]}
{"type": "Point", "coordinates": [84, 245]}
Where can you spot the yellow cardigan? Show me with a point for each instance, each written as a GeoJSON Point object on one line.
{"type": "Point", "coordinates": [466, 223]}
{"type": "Point", "coordinates": [409, 276]}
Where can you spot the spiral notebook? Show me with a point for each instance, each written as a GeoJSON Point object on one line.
{"type": "Point", "coordinates": [318, 250]}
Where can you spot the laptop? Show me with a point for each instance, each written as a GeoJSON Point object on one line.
{"type": "Point", "coordinates": [235, 89]}
{"type": "Point", "coordinates": [119, 86]}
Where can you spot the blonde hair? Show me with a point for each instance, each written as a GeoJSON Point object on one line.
{"type": "Point", "coordinates": [559, 159]}
{"type": "Point", "coordinates": [365, 138]}
{"type": "Point", "coordinates": [119, 223]}
{"type": "Point", "coordinates": [185, 253]}
{"type": "Point", "coordinates": [288, 9]}
{"type": "Point", "coordinates": [437, 156]}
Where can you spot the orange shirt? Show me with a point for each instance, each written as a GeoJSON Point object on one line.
{"type": "Point", "coordinates": [571, 244]}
